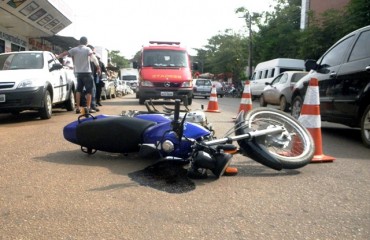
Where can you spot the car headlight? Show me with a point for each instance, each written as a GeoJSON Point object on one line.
{"type": "Point", "coordinates": [146, 84]}
{"type": "Point", "coordinates": [187, 84]}
{"type": "Point", "coordinates": [28, 83]}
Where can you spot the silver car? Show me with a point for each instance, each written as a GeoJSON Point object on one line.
{"type": "Point", "coordinates": [279, 91]}
{"type": "Point", "coordinates": [202, 88]}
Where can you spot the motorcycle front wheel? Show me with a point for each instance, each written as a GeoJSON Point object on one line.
{"type": "Point", "coordinates": [294, 147]}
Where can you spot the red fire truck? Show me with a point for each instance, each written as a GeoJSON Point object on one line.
{"type": "Point", "coordinates": [165, 72]}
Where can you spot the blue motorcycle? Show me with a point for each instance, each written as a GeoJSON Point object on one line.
{"type": "Point", "coordinates": [268, 136]}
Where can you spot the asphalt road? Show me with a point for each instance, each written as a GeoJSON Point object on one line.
{"type": "Point", "coordinates": [49, 189]}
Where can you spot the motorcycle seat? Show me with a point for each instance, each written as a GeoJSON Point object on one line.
{"type": "Point", "coordinates": [114, 134]}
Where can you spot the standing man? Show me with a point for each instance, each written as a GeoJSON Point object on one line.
{"type": "Point", "coordinates": [81, 56]}
{"type": "Point", "coordinates": [99, 83]}
{"type": "Point", "coordinates": [95, 77]}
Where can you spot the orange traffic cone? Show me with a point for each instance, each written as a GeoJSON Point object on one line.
{"type": "Point", "coordinates": [213, 104]}
{"type": "Point", "coordinates": [311, 119]}
{"type": "Point", "coordinates": [246, 101]}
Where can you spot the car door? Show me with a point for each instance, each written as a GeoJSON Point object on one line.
{"type": "Point", "coordinates": [57, 79]}
{"type": "Point", "coordinates": [329, 66]}
{"type": "Point", "coordinates": [270, 92]}
{"type": "Point", "coordinates": [352, 79]}
{"type": "Point", "coordinates": [281, 86]}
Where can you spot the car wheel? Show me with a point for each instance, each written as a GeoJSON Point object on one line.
{"type": "Point", "coordinates": [297, 106]}
{"type": "Point", "coordinates": [109, 94]}
{"type": "Point", "coordinates": [70, 103]}
{"type": "Point", "coordinates": [284, 106]}
{"type": "Point", "coordinates": [365, 127]}
{"type": "Point", "coordinates": [190, 101]}
{"type": "Point", "coordinates": [262, 102]}
{"type": "Point", "coordinates": [103, 94]}
{"type": "Point", "coordinates": [46, 110]}
{"type": "Point", "coordinates": [15, 113]}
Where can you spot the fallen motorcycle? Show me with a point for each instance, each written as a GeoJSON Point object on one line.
{"type": "Point", "coordinates": [268, 136]}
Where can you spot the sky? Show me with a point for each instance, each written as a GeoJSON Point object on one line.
{"type": "Point", "coordinates": [128, 25]}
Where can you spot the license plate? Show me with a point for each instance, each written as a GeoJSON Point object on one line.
{"type": "Point", "coordinates": [166, 94]}
{"type": "Point", "coordinates": [2, 97]}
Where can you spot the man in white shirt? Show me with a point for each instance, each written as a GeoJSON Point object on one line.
{"type": "Point", "coordinates": [81, 56]}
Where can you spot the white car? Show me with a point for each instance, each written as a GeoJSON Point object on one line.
{"type": "Point", "coordinates": [265, 72]}
{"type": "Point", "coordinates": [202, 87]}
{"type": "Point", "coordinates": [279, 91]}
{"type": "Point", "coordinates": [34, 80]}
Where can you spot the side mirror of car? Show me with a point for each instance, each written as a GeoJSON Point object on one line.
{"type": "Point", "coordinates": [195, 66]}
{"type": "Point", "coordinates": [311, 64]}
{"type": "Point", "coordinates": [56, 66]}
{"type": "Point", "coordinates": [135, 65]}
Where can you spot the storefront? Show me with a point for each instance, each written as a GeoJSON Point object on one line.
{"type": "Point", "coordinates": [33, 25]}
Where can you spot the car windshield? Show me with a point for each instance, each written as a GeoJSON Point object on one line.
{"type": "Point", "coordinates": [129, 77]}
{"type": "Point", "coordinates": [297, 76]}
{"type": "Point", "coordinates": [14, 61]}
{"type": "Point", "coordinates": [165, 58]}
{"type": "Point", "coordinates": [201, 82]}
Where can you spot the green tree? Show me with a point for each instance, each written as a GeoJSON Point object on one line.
{"type": "Point", "coordinates": [278, 32]}
{"type": "Point", "coordinates": [225, 54]}
{"type": "Point", "coordinates": [358, 12]}
{"type": "Point", "coordinates": [279, 35]}
{"type": "Point", "coordinates": [324, 30]}
{"type": "Point", "coordinates": [118, 60]}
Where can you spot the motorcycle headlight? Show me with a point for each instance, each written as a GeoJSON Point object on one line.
{"type": "Point", "coordinates": [168, 146]}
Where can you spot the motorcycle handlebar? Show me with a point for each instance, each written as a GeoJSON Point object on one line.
{"type": "Point", "coordinates": [248, 136]}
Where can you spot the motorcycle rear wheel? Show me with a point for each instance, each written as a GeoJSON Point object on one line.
{"type": "Point", "coordinates": [294, 148]}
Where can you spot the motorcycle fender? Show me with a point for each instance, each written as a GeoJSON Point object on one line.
{"type": "Point", "coordinates": [260, 154]}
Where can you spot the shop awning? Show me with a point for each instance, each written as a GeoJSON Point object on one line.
{"type": "Point", "coordinates": [65, 42]}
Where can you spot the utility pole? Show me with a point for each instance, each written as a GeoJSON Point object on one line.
{"type": "Point", "coordinates": [248, 19]}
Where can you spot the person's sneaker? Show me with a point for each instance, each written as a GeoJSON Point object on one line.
{"type": "Point", "coordinates": [99, 104]}
{"type": "Point", "coordinates": [96, 109]}
{"type": "Point", "coordinates": [92, 111]}
{"type": "Point", "coordinates": [78, 111]}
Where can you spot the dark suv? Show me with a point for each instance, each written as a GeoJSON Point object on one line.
{"type": "Point", "coordinates": [344, 83]}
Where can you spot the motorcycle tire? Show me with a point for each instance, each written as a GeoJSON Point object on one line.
{"type": "Point", "coordinates": [294, 147]}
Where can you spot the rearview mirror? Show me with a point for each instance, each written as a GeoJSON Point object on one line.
{"type": "Point", "coordinates": [56, 66]}
{"type": "Point", "coordinates": [195, 66]}
{"type": "Point", "coordinates": [311, 64]}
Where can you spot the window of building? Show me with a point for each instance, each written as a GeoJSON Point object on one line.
{"type": "Point", "coordinates": [2, 46]}
{"type": "Point", "coordinates": [17, 48]}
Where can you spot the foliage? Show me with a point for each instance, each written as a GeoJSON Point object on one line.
{"type": "Point", "coordinates": [224, 54]}
{"type": "Point", "coordinates": [118, 60]}
{"type": "Point", "coordinates": [280, 35]}
{"type": "Point", "coordinates": [358, 12]}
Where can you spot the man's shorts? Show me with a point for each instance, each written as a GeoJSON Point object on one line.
{"type": "Point", "coordinates": [85, 80]}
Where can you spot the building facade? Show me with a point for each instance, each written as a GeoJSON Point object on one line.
{"type": "Point", "coordinates": [33, 25]}
{"type": "Point", "coordinates": [318, 7]}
